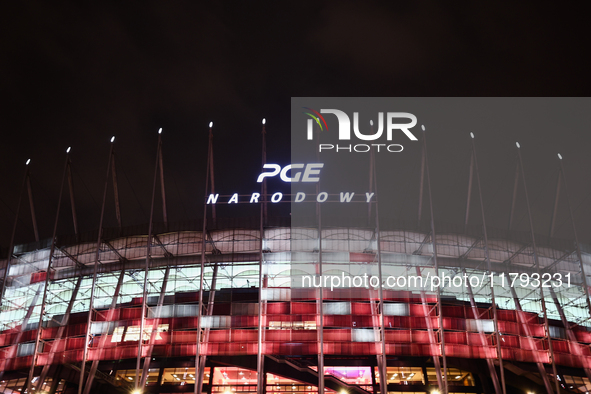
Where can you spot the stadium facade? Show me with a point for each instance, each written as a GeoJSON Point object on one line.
{"type": "Point", "coordinates": [129, 309]}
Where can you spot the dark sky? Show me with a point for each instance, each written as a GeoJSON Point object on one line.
{"type": "Point", "coordinates": [73, 74]}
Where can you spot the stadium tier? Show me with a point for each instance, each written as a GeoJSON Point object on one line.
{"type": "Point", "coordinates": [149, 339]}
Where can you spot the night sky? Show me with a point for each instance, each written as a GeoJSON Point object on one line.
{"type": "Point", "coordinates": [74, 74]}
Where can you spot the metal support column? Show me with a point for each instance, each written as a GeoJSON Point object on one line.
{"type": "Point", "coordinates": [162, 188]}
{"type": "Point", "coordinates": [421, 186]}
{"type": "Point", "coordinates": [261, 318]}
{"type": "Point", "coordinates": [574, 344]}
{"type": "Point", "coordinates": [489, 268]}
{"type": "Point", "coordinates": [104, 337]}
{"type": "Point", "coordinates": [264, 185]}
{"type": "Point", "coordinates": [198, 371]}
{"type": "Point", "coordinates": [154, 331]}
{"type": "Point", "coordinates": [515, 185]}
{"type": "Point", "coordinates": [32, 205]}
{"type": "Point", "coordinates": [56, 379]}
{"type": "Point", "coordinates": [320, 328]}
{"type": "Point", "coordinates": [526, 330]}
{"type": "Point", "coordinates": [382, 358]}
{"type": "Point", "coordinates": [47, 277]}
{"type": "Point", "coordinates": [95, 272]}
{"type": "Point", "coordinates": [535, 253]}
{"type": "Point", "coordinates": [555, 210]}
{"type": "Point", "coordinates": [320, 303]}
{"type": "Point", "coordinates": [371, 179]}
{"type": "Point", "coordinates": [72, 200]}
{"type": "Point", "coordinates": [210, 303]}
{"type": "Point", "coordinates": [59, 334]}
{"type": "Point", "coordinates": [431, 333]}
{"type": "Point", "coordinates": [210, 171]}
{"type": "Point", "coordinates": [489, 360]}
{"type": "Point", "coordinates": [12, 351]}
{"type": "Point", "coordinates": [116, 191]}
{"type": "Point", "coordinates": [11, 247]}
{"type": "Point", "coordinates": [468, 200]}
{"type": "Point", "coordinates": [578, 245]}
{"type": "Point", "coordinates": [147, 267]}
{"type": "Point", "coordinates": [439, 307]}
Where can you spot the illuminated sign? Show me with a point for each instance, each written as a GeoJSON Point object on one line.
{"type": "Point", "coordinates": [309, 172]}
{"type": "Point", "coordinates": [298, 197]}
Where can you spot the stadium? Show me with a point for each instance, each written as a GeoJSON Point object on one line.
{"type": "Point", "coordinates": [219, 306]}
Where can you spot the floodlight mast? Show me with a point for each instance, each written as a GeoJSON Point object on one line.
{"type": "Point", "coordinates": [95, 271]}
{"type": "Point", "coordinates": [47, 278]}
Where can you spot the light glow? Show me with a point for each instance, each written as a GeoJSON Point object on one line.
{"type": "Point", "coordinates": [113, 139]}
{"type": "Point", "coordinates": [518, 146]}
{"type": "Point", "coordinates": [68, 150]}
{"type": "Point", "coordinates": [264, 120]}
{"type": "Point", "coordinates": [160, 131]}
{"type": "Point", "coordinates": [28, 162]}
{"type": "Point", "coordinates": [560, 156]}
{"type": "Point", "coordinates": [210, 125]}
{"type": "Point", "coordinates": [472, 135]}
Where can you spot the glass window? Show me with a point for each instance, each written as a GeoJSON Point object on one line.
{"type": "Point", "coordinates": [577, 383]}
{"type": "Point", "coordinates": [61, 386]}
{"type": "Point", "coordinates": [402, 375]}
{"type": "Point", "coordinates": [350, 375]}
{"type": "Point", "coordinates": [278, 384]}
{"type": "Point", "coordinates": [232, 377]}
{"type": "Point", "coordinates": [182, 376]}
{"type": "Point", "coordinates": [455, 377]}
{"type": "Point", "coordinates": [15, 386]}
{"type": "Point", "coordinates": [45, 386]}
{"type": "Point", "coordinates": [296, 325]}
{"type": "Point", "coordinates": [132, 333]}
{"type": "Point", "coordinates": [128, 375]}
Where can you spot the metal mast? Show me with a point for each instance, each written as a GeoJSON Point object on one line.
{"type": "Point", "coordinates": [148, 257]}
{"type": "Point", "coordinates": [95, 271]}
{"type": "Point", "coordinates": [488, 264]}
{"type": "Point", "coordinates": [47, 277]}
{"type": "Point", "coordinates": [209, 172]}
{"type": "Point", "coordinates": [261, 381]}
{"type": "Point", "coordinates": [542, 300]}
{"type": "Point", "coordinates": [439, 306]}
{"type": "Point", "coordinates": [16, 215]}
